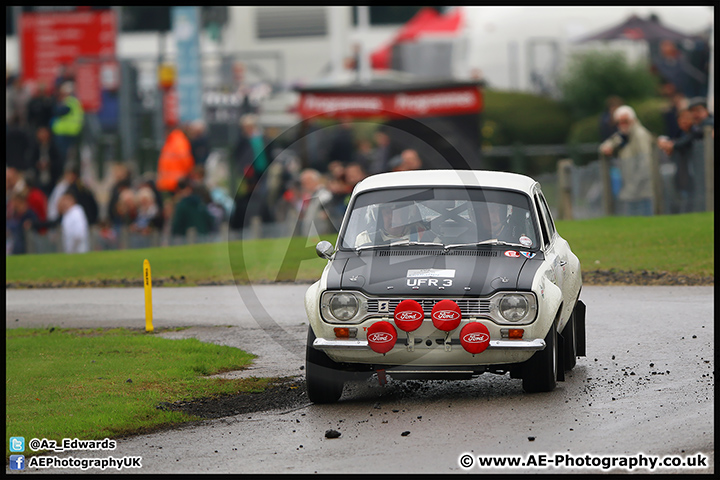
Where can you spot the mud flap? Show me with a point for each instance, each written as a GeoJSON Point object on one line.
{"type": "Point", "coordinates": [580, 329]}
{"type": "Point", "coordinates": [382, 377]}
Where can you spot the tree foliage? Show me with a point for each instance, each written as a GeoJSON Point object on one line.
{"type": "Point", "coordinates": [592, 76]}
{"type": "Point", "coordinates": [515, 117]}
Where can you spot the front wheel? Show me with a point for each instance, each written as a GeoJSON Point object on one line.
{"type": "Point", "coordinates": [541, 371]}
{"type": "Point", "coordinates": [323, 380]}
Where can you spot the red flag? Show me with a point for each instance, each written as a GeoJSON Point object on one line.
{"type": "Point", "coordinates": [427, 20]}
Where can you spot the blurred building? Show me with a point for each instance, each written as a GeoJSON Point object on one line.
{"type": "Point", "coordinates": [505, 43]}
{"type": "Point", "coordinates": [257, 55]}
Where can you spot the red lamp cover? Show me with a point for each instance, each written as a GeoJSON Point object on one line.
{"type": "Point", "coordinates": [475, 337]}
{"type": "Point", "coordinates": [446, 315]}
{"type": "Point", "coordinates": [408, 315]}
{"type": "Point", "coordinates": [381, 336]}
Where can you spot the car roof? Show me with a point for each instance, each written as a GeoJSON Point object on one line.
{"type": "Point", "coordinates": [450, 178]}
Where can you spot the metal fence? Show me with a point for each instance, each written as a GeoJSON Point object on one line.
{"type": "Point", "coordinates": [591, 190]}
{"type": "Point", "coordinates": [122, 239]}
{"type": "Point", "coordinates": [573, 192]}
{"type": "Point", "coordinates": [233, 83]}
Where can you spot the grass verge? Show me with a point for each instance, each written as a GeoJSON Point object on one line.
{"type": "Point", "coordinates": [267, 260]}
{"type": "Point", "coordinates": [681, 244]}
{"type": "Point", "coordinates": [96, 383]}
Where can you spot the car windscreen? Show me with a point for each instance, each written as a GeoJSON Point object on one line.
{"type": "Point", "coordinates": [441, 215]}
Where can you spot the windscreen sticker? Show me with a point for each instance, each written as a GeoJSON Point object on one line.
{"type": "Point", "coordinates": [528, 254]}
{"type": "Point", "coordinates": [431, 272]}
{"type": "Point", "coordinates": [525, 241]}
{"type": "Point", "coordinates": [512, 254]}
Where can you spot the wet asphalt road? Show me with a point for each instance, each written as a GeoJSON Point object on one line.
{"type": "Point", "coordinates": [646, 387]}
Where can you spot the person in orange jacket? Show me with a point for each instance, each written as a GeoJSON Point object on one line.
{"type": "Point", "coordinates": [176, 161]}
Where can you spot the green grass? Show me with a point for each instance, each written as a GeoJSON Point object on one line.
{"type": "Point", "coordinates": [285, 259]}
{"type": "Point", "coordinates": [202, 261]}
{"type": "Point", "coordinates": [249, 261]}
{"type": "Point", "coordinates": [71, 383]}
{"type": "Point", "coordinates": [672, 243]}
{"type": "Point", "coordinates": [681, 244]}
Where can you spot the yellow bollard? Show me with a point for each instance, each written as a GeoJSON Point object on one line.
{"type": "Point", "coordinates": [148, 296]}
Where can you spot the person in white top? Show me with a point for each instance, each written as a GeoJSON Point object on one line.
{"type": "Point", "coordinates": [75, 231]}
{"type": "Point", "coordinates": [53, 212]}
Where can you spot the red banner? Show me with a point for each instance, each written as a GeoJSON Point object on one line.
{"type": "Point", "coordinates": [171, 109]}
{"type": "Point", "coordinates": [87, 86]}
{"type": "Point", "coordinates": [421, 103]}
{"type": "Point", "coordinates": [51, 39]}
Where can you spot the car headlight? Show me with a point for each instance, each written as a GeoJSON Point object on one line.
{"type": "Point", "coordinates": [344, 306]}
{"type": "Point", "coordinates": [513, 307]}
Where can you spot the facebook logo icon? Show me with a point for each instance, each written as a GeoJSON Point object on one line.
{"type": "Point", "coordinates": [17, 462]}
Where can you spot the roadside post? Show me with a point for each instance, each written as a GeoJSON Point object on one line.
{"type": "Point", "coordinates": [564, 170]}
{"type": "Point", "coordinates": [608, 203]}
{"type": "Point", "coordinates": [656, 179]}
{"type": "Point", "coordinates": [148, 296]}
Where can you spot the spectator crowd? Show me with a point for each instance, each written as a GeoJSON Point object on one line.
{"type": "Point", "coordinates": [684, 78]}
{"type": "Point", "coordinates": [43, 185]}
{"type": "Point", "coordinates": [631, 146]}
{"type": "Point", "coordinates": [303, 186]}
{"type": "Point", "coordinates": [310, 200]}
{"type": "Point", "coordinates": [47, 199]}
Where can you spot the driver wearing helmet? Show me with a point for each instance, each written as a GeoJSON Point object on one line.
{"type": "Point", "coordinates": [497, 216]}
{"type": "Point", "coordinates": [395, 225]}
{"type": "Point", "coordinates": [501, 223]}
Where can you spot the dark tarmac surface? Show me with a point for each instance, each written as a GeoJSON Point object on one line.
{"type": "Point", "coordinates": [645, 387]}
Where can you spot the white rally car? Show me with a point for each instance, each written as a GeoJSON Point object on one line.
{"type": "Point", "coordinates": [444, 274]}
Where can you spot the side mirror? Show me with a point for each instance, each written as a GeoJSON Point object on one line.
{"type": "Point", "coordinates": [324, 249]}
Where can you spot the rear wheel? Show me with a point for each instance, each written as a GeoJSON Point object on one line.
{"type": "Point", "coordinates": [323, 379]}
{"type": "Point", "coordinates": [570, 343]}
{"type": "Point", "coordinates": [541, 371]}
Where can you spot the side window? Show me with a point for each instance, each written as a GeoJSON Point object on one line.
{"type": "Point", "coordinates": [548, 216]}
{"type": "Point", "coordinates": [543, 224]}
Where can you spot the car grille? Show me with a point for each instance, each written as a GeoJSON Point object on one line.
{"type": "Point", "coordinates": [468, 306]}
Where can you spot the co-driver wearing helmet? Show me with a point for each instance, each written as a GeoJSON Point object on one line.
{"type": "Point", "coordinates": [395, 225]}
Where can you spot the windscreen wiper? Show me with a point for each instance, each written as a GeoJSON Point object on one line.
{"type": "Point", "coordinates": [406, 243]}
{"type": "Point", "coordinates": [403, 243]}
{"type": "Point", "coordinates": [367, 247]}
{"type": "Point", "coordinates": [492, 241]}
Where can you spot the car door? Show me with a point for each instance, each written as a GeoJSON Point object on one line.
{"type": "Point", "coordinates": [555, 250]}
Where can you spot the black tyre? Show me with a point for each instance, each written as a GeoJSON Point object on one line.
{"type": "Point", "coordinates": [541, 371]}
{"type": "Point", "coordinates": [323, 379]}
{"type": "Point", "coordinates": [569, 343]}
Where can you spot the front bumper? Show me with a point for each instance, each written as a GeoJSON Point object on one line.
{"type": "Point", "coordinates": [429, 346]}
{"type": "Point", "coordinates": [437, 353]}
{"type": "Point", "coordinates": [353, 344]}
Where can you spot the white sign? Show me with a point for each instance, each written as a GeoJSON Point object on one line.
{"type": "Point", "coordinates": [431, 272]}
